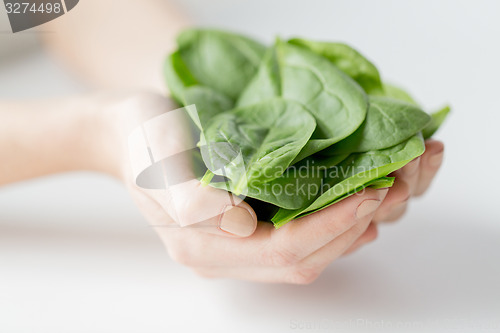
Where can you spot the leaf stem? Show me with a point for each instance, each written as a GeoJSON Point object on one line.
{"type": "Point", "coordinates": [240, 186]}
{"type": "Point", "coordinates": [207, 178]}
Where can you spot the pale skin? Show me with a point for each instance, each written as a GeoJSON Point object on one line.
{"type": "Point", "coordinates": [90, 133]}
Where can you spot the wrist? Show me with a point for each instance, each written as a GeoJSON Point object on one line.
{"type": "Point", "coordinates": [44, 137]}
{"type": "Point", "coordinates": [117, 117]}
{"type": "Point", "coordinates": [96, 134]}
{"type": "Point", "coordinates": [78, 136]}
{"type": "Point", "coordinates": [98, 140]}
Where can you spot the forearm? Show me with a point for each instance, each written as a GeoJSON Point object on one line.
{"type": "Point", "coordinates": [117, 44]}
{"type": "Point", "coordinates": [45, 137]}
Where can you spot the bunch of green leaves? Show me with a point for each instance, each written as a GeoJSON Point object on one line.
{"type": "Point", "coordinates": [295, 126]}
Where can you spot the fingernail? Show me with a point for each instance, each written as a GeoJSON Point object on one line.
{"type": "Point", "coordinates": [367, 207]}
{"type": "Point", "coordinates": [237, 221]}
{"type": "Point", "coordinates": [435, 160]}
{"type": "Point", "coordinates": [411, 168]}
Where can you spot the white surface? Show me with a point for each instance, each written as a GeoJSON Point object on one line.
{"type": "Point", "coordinates": [76, 256]}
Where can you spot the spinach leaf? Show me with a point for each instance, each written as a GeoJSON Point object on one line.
{"type": "Point", "coordinates": [288, 191]}
{"type": "Point", "coordinates": [178, 77]}
{"type": "Point", "coordinates": [300, 183]}
{"type": "Point", "coordinates": [437, 119]}
{"type": "Point", "coordinates": [355, 171]}
{"type": "Point", "coordinates": [267, 82]}
{"type": "Point", "coordinates": [301, 105]}
{"type": "Point", "coordinates": [220, 60]}
{"type": "Point", "coordinates": [268, 135]}
{"type": "Point", "coordinates": [337, 103]}
{"type": "Point", "coordinates": [395, 92]}
{"type": "Point", "coordinates": [208, 102]}
{"type": "Point", "coordinates": [348, 60]}
{"type": "Point", "coordinates": [388, 123]}
{"type": "Point", "coordinates": [383, 182]}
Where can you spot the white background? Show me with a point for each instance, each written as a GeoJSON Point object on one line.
{"type": "Point", "coordinates": [76, 255]}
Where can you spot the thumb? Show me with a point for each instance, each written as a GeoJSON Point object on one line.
{"type": "Point", "coordinates": [161, 156]}
{"type": "Point", "coordinates": [212, 210]}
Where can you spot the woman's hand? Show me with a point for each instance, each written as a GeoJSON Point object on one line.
{"type": "Point", "coordinates": [217, 235]}
{"type": "Point", "coordinates": [411, 181]}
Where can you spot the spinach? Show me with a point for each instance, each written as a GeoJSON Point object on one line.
{"type": "Point", "coordinates": [388, 122]}
{"type": "Point", "coordinates": [355, 172]}
{"type": "Point", "coordinates": [348, 60]}
{"type": "Point", "coordinates": [297, 126]}
{"type": "Point", "coordinates": [223, 61]}
{"type": "Point", "coordinates": [219, 59]}
{"type": "Point", "coordinates": [287, 191]}
{"type": "Point", "coordinates": [266, 84]}
{"type": "Point", "coordinates": [395, 92]}
{"type": "Point", "coordinates": [437, 119]}
{"type": "Point", "coordinates": [298, 183]}
{"type": "Point", "coordinates": [268, 135]}
{"type": "Point", "coordinates": [178, 77]}
{"type": "Point", "coordinates": [383, 182]}
{"type": "Point", "coordinates": [338, 104]}
{"type": "Point", "coordinates": [208, 102]}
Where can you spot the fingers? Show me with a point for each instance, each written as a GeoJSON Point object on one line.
{"type": "Point", "coordinates": [190, 204]}
{"type": "Point", "coordinates": [300, 238]}
{"type": "Point", "coordinates": [206, 209]}
{"type": "Point", "coordinates": [162, 154]}
{"type": "Point", "coordinates": [411, 180]}
{"type": "Point", "coordinates": [324, 256]}
{"type": "Point", "coordinates": [292, 243]}
{"type": "Point", "coordinates": [189, 247]}
{"type": "Point", "coordinates": [370, 234]}
{"type": "Point", "coordinates": [395, 202]}
{"type": "Point", "coordinates": [409, 174]}
{"type": "Point", "coordinates": [304, 272]}
{"type": "Point", "coordinates": [195, 205]}
{"type": "Point", "coordinates": [430, 164]}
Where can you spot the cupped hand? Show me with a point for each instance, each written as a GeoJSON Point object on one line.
{"type": "Point", "coordinates": [411, 181]}
{"type": "Point", "coordinates": [217, 234]}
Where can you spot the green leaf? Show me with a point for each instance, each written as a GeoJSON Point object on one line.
{"type": "Point", "coordinates": [348, 60]}
{"type": "Point", "coordinates": [266, 84]}
{"type": "Point", "coordinates": [437, 119]}
{"type": "Point", "coordinates": [287, 191]}
{"type": "Point", "coordinates": [208, 102]}
{"type": "Point", "coordinates": [355, 171]}
{"type": "Point", "coordinates": [383, 182]}
{"type": "Point", "coordinates": [395, 92]}
{"type": "Point", "coordinates": [298, 185]}
{"type": "Point", "coordinates": [178, 77]}
{"type": "Point", "coordinates": [223, 61]}
{"type": "Point", "coordinates": [300, 105]}
{"type": "Point", "coordinates": [388, 123]}
{"type": "Point", "coordinates": [268, 135]}
{"type": "Point", "coordinates": [337, 102]}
